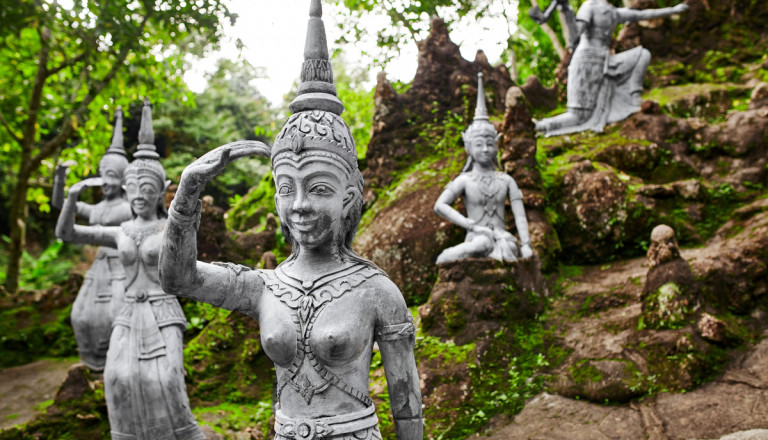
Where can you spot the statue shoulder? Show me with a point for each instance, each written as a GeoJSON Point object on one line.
{"type": "Point", "coordinates": [585, 11]}
{"type": "Point", "coordinates": [389, 301]}
{"type": "Point", "coordinates": [458, 184]}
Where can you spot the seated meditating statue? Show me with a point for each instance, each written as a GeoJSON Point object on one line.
{"type": "Point", "coordinates": [603, 87]}
{"type": "Point", "coordinates": [485, 190]}
{"type": "Point", "coordinates": [101, 295]}
{"type": "Point", "coordinates": [322, 309]}
{"type": "Point", "coordinates": [144, 373]}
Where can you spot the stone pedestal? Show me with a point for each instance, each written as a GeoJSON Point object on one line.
{"type": "Point", "coordinates": [476, 296]}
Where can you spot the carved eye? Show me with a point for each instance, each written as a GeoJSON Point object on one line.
{"type": "Point", "coordinates": [321, 189]}
{"type": "Point", "coordinates": [131, 188]}
{"type": "Point", "coordinates": [285, 190]}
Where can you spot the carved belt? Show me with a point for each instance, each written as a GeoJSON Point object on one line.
{"type": "Point", "coordinates": [324, 427]}
{"type": "Point", "coordinates": [143, 324]}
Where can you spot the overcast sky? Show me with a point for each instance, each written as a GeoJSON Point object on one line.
{"type": "Point", "coordinates": [273, 32]}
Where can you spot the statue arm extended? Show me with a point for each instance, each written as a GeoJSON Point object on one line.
{"type": "Point", "coordinates": [226, 286]}
{"type": "Point", "coordinates": [444, 209]}
{"type": "Point", "coordinates": [521, 221]}
{"type": "Point", "coordinates": [395, 335]}
{"type": "Point", "coordinates": [630, 15]}
{"type": "Point", "coordinates": [67, 230]}
{"type": "Point", "coordinates": [60, 176]}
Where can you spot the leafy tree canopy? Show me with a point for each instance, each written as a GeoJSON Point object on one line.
{"type": "Point", "coordinates": [66, 69]}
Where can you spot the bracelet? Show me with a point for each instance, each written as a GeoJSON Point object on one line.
{"type": "Point", "coordinates": [186, 219]}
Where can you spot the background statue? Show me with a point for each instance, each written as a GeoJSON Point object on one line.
{"type": "Point", "coordinates": [101, 295]}
{"type": "Point", "coordinates": [603, 88]}
{"type": "Point", "coordinates": [485, 190]}
{"type": "Point", "coordinates": [144, 374]}
{"type": "Point", "coordinates": [322, 309]}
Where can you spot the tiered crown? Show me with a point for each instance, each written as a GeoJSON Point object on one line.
{"type": "Point", "coordinates": [316, 126]}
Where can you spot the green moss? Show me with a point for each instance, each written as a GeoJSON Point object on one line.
{"type": "Point", "coordinates": [584, 372]}
{"type": "Point", "coordinates": [28, 335]}
{"type": "Point", "coordinates": [236, 417]}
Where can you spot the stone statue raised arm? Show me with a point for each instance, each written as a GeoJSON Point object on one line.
{"type": "Point", "coordinates": [603, 87]}
{"type": "Point", "coordinates": [144, 372]}
{"type": "Point", "coordinates": [101, 295]}
{"type": "Point", "coordinates": [485, 190]}
{"type": "Point", "coordinates": [322, 309]}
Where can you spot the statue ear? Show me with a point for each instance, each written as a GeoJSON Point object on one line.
{"type": "Point", "coordinates": [167, 185]}
{"type": "Point", "coordinates": [350, 195]}
{"type": "Point", "coordinates": [498, 137]}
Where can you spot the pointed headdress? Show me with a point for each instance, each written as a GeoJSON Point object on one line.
{"type": "Point", "coordinates": [481, 125]}
{"type": "Point", "coordinates": [316, 127]}
{"type": "Point", "coordinates": [115, 157]}
{"type": "Point", "coordinates": [146, 160]}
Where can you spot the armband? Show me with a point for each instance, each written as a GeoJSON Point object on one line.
{"type": "Point", "coordinates": [184, 219]}
{"type": "Point", "coordinates": [406, 330]}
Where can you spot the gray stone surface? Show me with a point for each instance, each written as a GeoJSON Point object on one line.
{"type": "Point", "coordinates": [322, 309]}
{"type": "Point", "coordinates": [101, 296]}
{"type": "Point", "coordinates": [485, 190]}
{"type": "Point", "coordinates": [144, 373]}
{"type": "Point", "coordinates": [603, 87]}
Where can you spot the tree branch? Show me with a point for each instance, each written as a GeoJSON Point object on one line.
{"type": "Point", "coordinates": [69, 62]}
{"type": "Point", "coordinates": [37, 90]}
{"type": "Point", "coordinates": [9, 130]}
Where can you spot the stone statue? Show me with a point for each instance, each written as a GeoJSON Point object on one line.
{"type": "Point", "coordinates": [101, 295]}
{"type": "Point", "coordinates": [485, 190]}
{"type": "Point", "coordinates": [603, 88]}
{"type": "Point", "coordinates": [565, 7]}
{"type": "Point", "coordinates": [322, 309]}
{"type": "Point", "coordinates": [144, 374]}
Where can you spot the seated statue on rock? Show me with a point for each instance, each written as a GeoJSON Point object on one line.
{"type": "Point", "coordinates": [603, 87]}
{"type": "Point", "coordinates": [485, 190]}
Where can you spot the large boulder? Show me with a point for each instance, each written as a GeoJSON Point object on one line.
{"type": "Point", "coordinates": [404, 236]}
{"type": "Point", "coordinates": [444, 84]}
{"type": "Point", "coordinates": [475, 297]}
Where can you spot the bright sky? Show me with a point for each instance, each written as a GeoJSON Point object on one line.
{"type": "Point", "coordinates": [273, 32]}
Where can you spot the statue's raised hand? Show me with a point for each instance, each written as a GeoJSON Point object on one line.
{"type": "Point", "coordinates": [203, 170]}
{"type": "Point", "coordinates": [77, 188]}
{"type": "Point", "coordinates": [682, 7]}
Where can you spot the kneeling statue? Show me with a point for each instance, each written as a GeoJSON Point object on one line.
{"type": "Point", "coordinates": [603, 88]}
{"type": "Point", "coordinates": [485, 190]}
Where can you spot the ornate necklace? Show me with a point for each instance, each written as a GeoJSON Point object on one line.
{"type": "Point", "coordinates": [140, 233]}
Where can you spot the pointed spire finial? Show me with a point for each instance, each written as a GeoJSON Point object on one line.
{"type": "Point", "coordinates": [146, 134]}
{"type": "Point", "coordinates": [316, 90]}
{"type": "Point", "coordinates": [118, 144]}
{"type": "Point", "coordinates": [481, 112]}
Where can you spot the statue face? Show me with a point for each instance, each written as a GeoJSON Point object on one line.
{"type": "Point", "coordinates": [483, 149]}
{"type": "Point", "coordinates": [310, 201]}
{"type": "Point", "coordinates": [144, 193]}
{"type": "Point", "coordinates": [112, 183]}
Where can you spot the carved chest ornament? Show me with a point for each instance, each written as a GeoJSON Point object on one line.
{"type": "Point", "coordinates": [306, 300]}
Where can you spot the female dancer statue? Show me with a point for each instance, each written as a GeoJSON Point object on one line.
{"type": "Point", "coordinates": [321, 310]}
{"type": "Point", "coordinates": [144, 374]}
{"type": "Point", "coordinates": [603, 87]}
{"type": "Point", "coordinates": [101, 295]}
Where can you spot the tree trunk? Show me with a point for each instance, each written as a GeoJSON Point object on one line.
{"type": "Point", "coordinates": [18, 220]}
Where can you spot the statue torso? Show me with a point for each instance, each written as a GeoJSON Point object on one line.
{"type": "Point", "coordinates": [601, 19]}
{"type": "Point", "coordinates": [484, 198]}
{"type": "Point", "coordinates": [139, 249]}
{"type": "Point", "coordinates": [320, 337]}
{"type": "Point", "coordinates": [110, 212]}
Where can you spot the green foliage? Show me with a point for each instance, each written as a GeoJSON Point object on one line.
{"type": "Point", "coordinates": [251, 210]}
{"type": "Point", "coordinates": [50, 267]}
{"type": "Point", "coordinates": [29, 334]}
{"type": "Point", "coordinates": [358, 102]}
{"type": "Point", "coordinates": [238, 418]}
{"type": "Point", "coordinates": [534, 51]}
